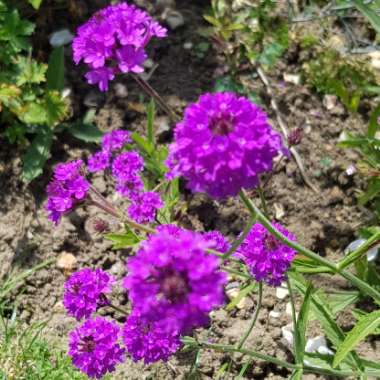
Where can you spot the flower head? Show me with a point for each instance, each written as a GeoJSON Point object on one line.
{"type": "Point", "coordinates": [99, 161]}
{"type": "Point", "coordinates": [144, 206]}
{"type": "Point", "coordinates": [217, 241]}
{"type": "Point", "coordinates": [148, 340]}
{"type": "Point", "coordinates": [173, 281]}
{"type": "Point", "coordinates": [126, 165]}
{"type": "Point", "coordinates": [113, 40]}
{"type": "Point", "coordinates": [115, 140]}
{"type": "Point", "coordinates": [94, 347]}
{"type": "Point", "coordinates": [85, 291]}
{"type": "Point", "coordinates": [266, 257]}
{"type": "Point", "coordinates": [222, 145]}
{"type": "Point", "coordinates": [67, 188]}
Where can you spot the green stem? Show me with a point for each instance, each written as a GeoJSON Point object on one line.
{"type": "Point", "coordinates": [119, 309]}
{"type": "Point", "coordinates": [279, 362]}
{"type": "Point", "coordinates": [254, 318]}
{"type": "Point", "coordinates": [241, 238]}
{"type": "Point", "coordinates": [353, 256]}
{"type": "Point", "coordinates": [236, 273]}
{"type": "Point", "coordinates": [364, 287]}
{"type": "Point", "coordinates": [260, 190]}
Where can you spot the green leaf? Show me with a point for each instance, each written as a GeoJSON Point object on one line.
{"type": "Point", "coordinates": [150, 109]}
{"type": "Point", "coordinates": [340, 300]}
{"type": "Point", "coordinates": [35, 3]}
{"type": "Point", "coordinates": [86, 132]}
{"type": "Point", "coordinates": [56, 108]}
{"type": "Point", "coordinates": [242, 293]}
{"type": "Point", "coordinates": [144, 145]}
{"type": "Point", "coordinates": [55, 75]}
{"type": "Point", "coordinates": [369, 13]}
{"type": "Point", "coordinates": [30, 71]}
{"type": "Point", "coordinates": [296, 374]}
{"type": "Point", "coordinates": [33, 113]}
{"type": "Point", "coordinates": [122, 240]}
{"type": "Point", "coordinates": [364, 327]}
{"type": "Point", "coordinates": [373, 124]}
{"type": "Point", "coordinates": [300, 330]}
{"type": "Point", "coordinates": [372, 191]}
{"type": "Point", "coordinates": [37, 154]}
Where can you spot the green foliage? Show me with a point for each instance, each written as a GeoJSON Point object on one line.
{"type": "Point", "coordinates": [365, 326]}
{"type": "Point", "coordinates": [250, 31]}
{"type": "Point", "coordinates": [368, 146]}
{"type": "Point", "coordinates": [24, 355]}
{"type": "Point", "coordinates": [30, 98]}
{"type": "Point", "coordinates": [347, 78]}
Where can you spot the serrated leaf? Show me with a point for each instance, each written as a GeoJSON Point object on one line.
{"type": "Point", "coordinates": [122, 240]}
{"type": "Point", "coordinates": [37, 154]}
{"type": "Point", "coordinates": [56, 108]}
{"type": "Point", "coordinates": [8, 93]}
{"type": "Point", "coordinates": [55, 74]}
{"type": "Point", "coordinates": [30, 71]}
{"type": "Point", "coordinates": [35, 3]}
{"type": "Point", "coordinates": [33, 113]}
{"type": "Point", "coordinates": [86, 132]}
{"type": "Point", "coordinates": [364, 327]}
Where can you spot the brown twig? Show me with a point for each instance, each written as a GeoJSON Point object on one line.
{"type": "Point", "coordinates": [284, 129]}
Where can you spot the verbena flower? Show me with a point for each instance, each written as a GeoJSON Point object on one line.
{"type": "Point", "coordinates": [115, 140]}
{"type": "Point", "coordinates": [94, 347]}
{"type": "Point", "coordinates": [266, 257]}
{"type": "Point", "coordinates": [222, 145]}
{"type": "Point", "coordinates": [85, 291]}
{"type": "Point", "coordinates": [144, 207]}
{"type": "Point", "coordinates": [218, 241]}
{"type": "Point", "coordinates": [114, 41]}
{"type": "Point", "coordinates": [131, 187]}
{"type": "Point", "coordinates": [174, 281]}
{"type": "Point", "coordinates": [99, 161]}
{"type": "Point", "coordinates": [148, 340]}
{"type": "Point", "coordinates": [126, 165]}
{"type": "Point", "coordinates": [67, 188]}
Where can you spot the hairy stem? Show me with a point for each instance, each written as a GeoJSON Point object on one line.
{"type": "Point", "coordinates": [154, 94]}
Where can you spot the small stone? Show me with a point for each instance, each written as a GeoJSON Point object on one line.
{"type": "Point", "coordinates": [188, 45]}
{"type": "Point", "coordinates": [335, 196]}
{"type": "Point", "coordinates": [287, 333]}
{"type": "Point", "coordinates": [375, 59]}
{"type": "Point", "coordinates": [66, 261]}
{"type": "Point", "coordinates": [232, 294]}
{"type": "Point", "coordinates": [61, 38]}
{"type": "Point", "coordinates": [371, 253]}
{"type": "Point", "coordinates": [288, 308]}
{"type": "Point", "coordinates": [274, 314]}
{"type": "Point", "coordinates": [279, 211]}
{"type": "Point", "coordinates": [148, 63]}
{"type": "Point", "coordinates": [174, 19]}
{"type": "Point", "coordinates": [121, 90]}
{"type": "Point", "coordinates": [66, 92]}
{"type": "Point", "coordinates": [93, 99]}
{"type": "Point", "coordinates": [162, 124]}
{"type": "Point", "coordinates": [330, 101]}
{"type": "Point", "coordinates": [282, 291]}
{"type": "Point", "coordinates": [318, 344]}
{"type": "Point", "coordinates": [292, 78]}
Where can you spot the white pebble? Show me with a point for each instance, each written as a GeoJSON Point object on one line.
{"type": "Point", "coordinates": [282, 291]}
{"type": "Point", "coordinates": [60, 38]}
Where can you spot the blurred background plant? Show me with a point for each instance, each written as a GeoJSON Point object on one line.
{"type": "Point", "coordinates": [31, 99]}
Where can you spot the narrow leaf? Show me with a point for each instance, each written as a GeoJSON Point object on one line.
{"type": "Point", "coordinates": [150, 120]}
{"type": "Point", "coordinates": [122, 240]}
{"type": "Point", "coordinates": [86, 132]}
{"type": "Point", "coordinates": [369, 13]}
{"type": "Point", "coordinates": [364, 327]}
{"type": "Point", "coordinates": [55, 75]}
{"type": "Point", "coordinates": [144, 145]}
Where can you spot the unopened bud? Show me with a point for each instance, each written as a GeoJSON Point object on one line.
{"type": "Point", "coordinates": [295, 136]}
{"type": "Point", "coordinates": [101, 225]}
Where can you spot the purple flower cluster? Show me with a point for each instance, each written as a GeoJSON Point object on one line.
{"type": "Point", "coordinates": [94, 347]}
{"type": "Point", "coordinates": [266, 257]}
{"type": "Point", "coordinates": [85, 292]}
{"type": "Point", "coordinates": [113, 41]}
{"type": "Point", "coordinates": [223, 144]}
{"type": "Point", "coordinates": [173, 281]}
{"type": "Point", "coordinates": [67, 188]}
{"type": "Point", "coordinates": [144, 206]}
{"type": "Point", "coordinates": [126, 168]}
{"type": "Point", "coordinates": [148, 340]}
